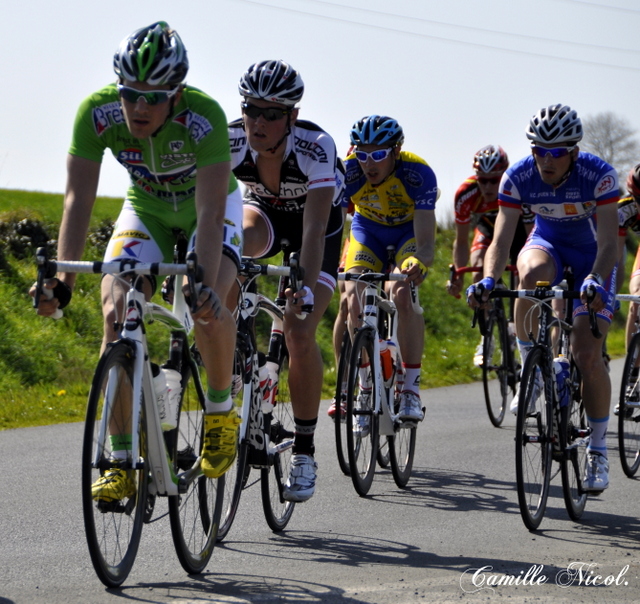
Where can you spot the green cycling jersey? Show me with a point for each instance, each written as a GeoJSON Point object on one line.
{"type": "Point", "coordinates": [162, 167]}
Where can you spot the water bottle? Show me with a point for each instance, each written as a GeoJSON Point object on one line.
{"type": "Point", "coordinates": [265, 383]}
{"type": "Point", "coordinates": [166, 384]}
{"type": "Point", "coordinates": [562, 370]}
{"type": "Point", "coordinates": [386, 360]}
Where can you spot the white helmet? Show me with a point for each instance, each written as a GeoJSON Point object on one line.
{"type": "Point", "coordinates": [556, 124]}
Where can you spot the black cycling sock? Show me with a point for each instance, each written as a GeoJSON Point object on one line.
{"type": "Point", "coordinates": [303, 438]}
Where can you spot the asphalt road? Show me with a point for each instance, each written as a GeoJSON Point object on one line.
{"type": "Point", "coordinates": [424, 544]}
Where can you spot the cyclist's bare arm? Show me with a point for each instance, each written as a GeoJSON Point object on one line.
{"type": "Point", "coordinates": [424, 230]}
{"type": "Point", "coordinates": [212, 184]}
{"type": "Point", "coordinates": [497, 255]}
{"type": "Point", "coordinates": [80, 195]}
{"type": "Point", "coordinates": [460, 257]}
{"type": "Point", "coordinates": [607, 238]}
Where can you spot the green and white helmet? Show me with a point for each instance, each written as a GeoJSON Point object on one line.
{"type": "Point", "coordinates": [153, 54]}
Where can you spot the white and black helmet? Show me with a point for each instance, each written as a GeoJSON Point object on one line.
{"type": "Point", "coordinates": [491, 158]}
{"type": "Point", "coordinates": [153, 54]}
{"type": "Point", "coordinates": [556, 124]}
{"type": "Point", "coordinates": [274, 81]}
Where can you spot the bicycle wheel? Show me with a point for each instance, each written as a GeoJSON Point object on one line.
{"type": "Point", "coordinates": [195, 514]}
{"type": "Point", "coordinates": [281, 427]}
{"type": "Point", "coordinates": [340, 417]}
{"type": "Point", "coordinates": [362, 421]}
{"type": "Point", "coordinates": [236, 477]}
{"type": "Point", "coordinates": [533, 439]}
{"type": "Point", "coordinates": [574, 440]}
{"type": "Point", "coordinates": [495, 366]}
{"type": "Point", "coordinates": [383, 456]}
{"type": "Point", "coordinates": [113, 528]}
{"type": "Point", "coordinates": [402, 448]}
{"type": "Point", "coordinates": [629, 411]}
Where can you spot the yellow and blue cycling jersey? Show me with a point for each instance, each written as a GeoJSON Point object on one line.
{"type": "Point", "coordinates": [384, 213]}
{"type": "Point", "coordinates": [412, 186]}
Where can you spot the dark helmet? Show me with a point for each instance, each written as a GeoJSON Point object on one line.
{"type": "Point", "coordinates": [633, 181]}
{"type": "Point", "coordinates": [153, 54]}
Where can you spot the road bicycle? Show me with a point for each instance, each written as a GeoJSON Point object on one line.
{"type": "Point", "coordinates": [266, 435]}
{"type": "Point", "coordinates": [122, 400]}
{"type": "Point", "coordinates": [551, 422]}
{"type": "Point", "coordinates": [628, 408]}
{"type": "Point", "coordinates": [373, 400]}
{"type": "Point", "coordinates": [500, 364]}
{"type": "Point", "coordinates": [340, 425]}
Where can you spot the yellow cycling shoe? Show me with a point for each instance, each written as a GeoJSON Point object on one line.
{"type": "Point", "coordinates": [220, 444]}
{"type": "Point", "coordinates": [115, 484]}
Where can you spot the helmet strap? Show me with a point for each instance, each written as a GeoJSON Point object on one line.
{"type": "Point", "coordinates": [273, 149]}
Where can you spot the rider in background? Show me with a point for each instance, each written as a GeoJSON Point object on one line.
{"type": "Point", "coordinates": [629, 218]}
{"type": "Point", "coordinates": [476, 206]}
{"type": "Point", "coordinates": [171, 138]}
{"type": "Point", "coordinates": [394, 193]}
{"type": "Point", "coordinates": [294, 183]}
{"type": "Point", "coordinates": [567, 190]}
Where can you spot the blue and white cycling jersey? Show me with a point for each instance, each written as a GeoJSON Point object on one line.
{"type": "Point", "coordinates": [565, 213]}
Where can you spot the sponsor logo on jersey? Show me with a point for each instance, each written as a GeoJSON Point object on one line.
{"type": "Point", "coordinates": [130, 156]}
{"type": "Point", "coordinates": [198, 125]}
{"type": "Point", "coordinates": [131, 235]}
{"type": "Point", "coordinates": [605, 185]}
{"type": "Point", "coordinates": [175, 146]}
{"type": "Point", "coordinates": [545, 210]}
{"type": "Point", "coordinates": [229, 222]}
{"type": "Point", "coordinates": [506, 190]}
{"type": "Point", "coordinates": [311, 149]}
{"type": "Point", "coordinates": [130, 249]}
{"type": "Point", "coordinates": [177, 159]}
{"type": "Point", "coordinates": [364, 257]}
{"type": "Point", "coordinates": [106, 116]}
{"type": "Point", "coordinates": [570, 209]}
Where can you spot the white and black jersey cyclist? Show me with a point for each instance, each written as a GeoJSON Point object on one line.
{"type": "Point", "coordinates": [310, 161]}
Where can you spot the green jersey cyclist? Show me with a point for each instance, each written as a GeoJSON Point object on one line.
{"type": "Point", "coordinates": [172, 139]}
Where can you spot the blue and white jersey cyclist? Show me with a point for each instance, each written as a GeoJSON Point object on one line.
{"type": "Point", "coordinates": [294, 182]}
{"type": "Point", "coordinates": [172, 139]}
{"type": "Point", "coordinates": [574, 197]}
{"type": "Point", "coordinates": [394, 194]}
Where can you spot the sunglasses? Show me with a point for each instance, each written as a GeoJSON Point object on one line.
{"type": "Point", "coordinates": [556, 152]}
{"type": "Point", "coordinates": [483, 180]}
{"type": "Point", "coordinates": [376, 156]}
{"type": "Point", "coordinates": [151, 97]}
{"type": "Point", "coordinates": [271, 114]}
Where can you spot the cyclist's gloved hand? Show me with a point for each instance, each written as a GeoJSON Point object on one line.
{"type": "Point", "coordinates": [415, 268]}
{"type": "Point", "coordinates": [476, 291]}
{"type": "Point", "coordinates": [591, 286]}
{"type": "Point", "coordinates": [208, 305]}
{"type": "Point", "coordinates": [304, 299]}
{"type": "Point", "coordinates": [60, 292]}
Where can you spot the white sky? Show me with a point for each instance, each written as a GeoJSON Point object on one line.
{"type": "Point", "coordinates": [456, 74]}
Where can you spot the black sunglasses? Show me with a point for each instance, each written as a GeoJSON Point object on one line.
{"type": "Point", "coordinates": [271, 114]}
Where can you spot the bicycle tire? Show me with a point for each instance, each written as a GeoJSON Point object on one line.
{"type": "Point", "coordinates": [277, 510]}
{"type": "Point", "coordinates": [235, 479]}
{"type": "Point", "coordinates": [533, 439]}
{"type": "Point", "coordinates": [629, 412]}
{"type": "Point", "coordinates": [362, 435]}
{"type": "Point", "coordinates": [113, 529]}
{"type": "Point", "coordinates": [194, 515]}
{"type": "Point", "coordinates": [573, 431]}
{"type": "Point", "coordinates": [496, 365]}
{"type": "Point", "coordinates": [383, 456]}
{"type": "Point", "coordinates": [340, 418]}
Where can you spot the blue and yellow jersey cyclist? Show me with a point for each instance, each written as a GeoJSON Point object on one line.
{"type": "Point", "coordinates": [394, 194]}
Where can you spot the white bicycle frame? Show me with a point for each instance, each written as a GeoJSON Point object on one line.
{"type": "Point", "coordinates": [162, 478]}
{"type": "Point", "coordinates": [373, 300]}
{"type": "Point", "coordinates": [250, 414]}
